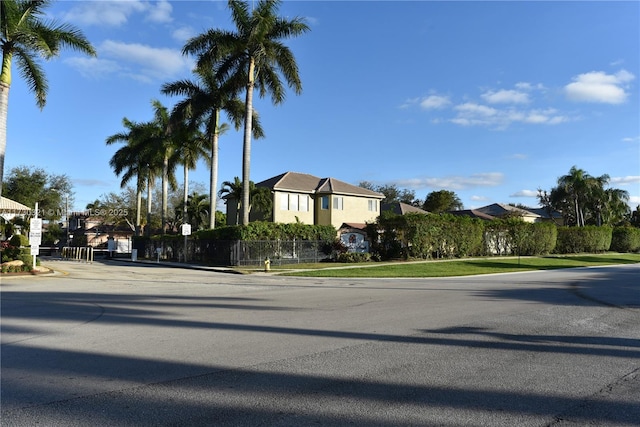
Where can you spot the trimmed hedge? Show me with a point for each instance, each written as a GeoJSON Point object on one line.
{"type": "Point", "coordinates": [590, 239]}
{"type": "Point", "coordinates": [263, 230]}
{"type": "Point", "coordinates": [625, 239]}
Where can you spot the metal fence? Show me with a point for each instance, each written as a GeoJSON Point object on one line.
{"type": "Point", "coordinates": [234, 253]}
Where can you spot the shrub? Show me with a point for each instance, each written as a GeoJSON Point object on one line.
{"type": "Point", "coordinates": [353, 257]}
{"type": "Point", "coordinates": [19, 240]}
{"type": "Point", "coordinates": [625, 239]}
{"type": "Point", "coordinates": [584, 239]}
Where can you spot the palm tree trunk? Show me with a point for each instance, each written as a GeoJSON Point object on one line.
{"type": "Point", "coordinates": [165, 191]}
{"type": "Point", "coordinates": [4, 104]}
{"type": "Point", "coordinates": [213, 185]}
{"type": "Point", "coordinates": [138, 209]}
{"type": "Point", "coordinates": [246, 148]}
{"type": "Point", "coordinates": [149, 188]}
{"type": "Point", "coordinates": [185, 195]}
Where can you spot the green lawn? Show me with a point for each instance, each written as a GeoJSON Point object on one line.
{"type": "Point", "coordinates": [464, 267]}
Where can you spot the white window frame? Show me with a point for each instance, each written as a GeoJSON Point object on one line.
{"type": "Point", "coordinates": [338, 203]}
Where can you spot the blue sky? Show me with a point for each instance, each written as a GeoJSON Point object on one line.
{"type": "Point", "coordinates": [491, 100]}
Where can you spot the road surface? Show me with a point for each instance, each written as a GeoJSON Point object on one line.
{"type": "Point", "coordinates": [136, 345]}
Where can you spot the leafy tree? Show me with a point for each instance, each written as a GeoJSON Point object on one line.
{"type": "Point", "coordinates": [392, 193]}
{"type": "Point", "coordinates": [260, 197]}
{"type": "Point", "coordinates": [206, 98]}
{"type": "Point", "coordinates": [28, 185]}
{"type": "Point", "coordinates": [442, 201]}
{"type": "Point", "coordinates": [254, 57]}
{"type": "Point", "coordinates": [583, 199]}
{"type": "Point", "coordinates": [131, 161]}
{"type": "Point", "coordinates": [197, 209]}
{"type": "Point", "coordinates": [27, 37]}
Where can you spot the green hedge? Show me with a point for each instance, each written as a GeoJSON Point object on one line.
{"type": "Point", "coordinates": [263, 230]}
{"type": "Point", "coordinates": [625, 239]}
{"type": "Point", "coordinates": [590, 239]}
{"type": "Point", "coordinates": [425, 236]}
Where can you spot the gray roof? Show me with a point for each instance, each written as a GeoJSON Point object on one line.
{"type": "Point", "coordinates": [305, 183]}
{"type": "Point", "coordinates": [499, 210]}
{"type": "Point", "coordinates": [473, 213]}
{"type": "Point", "coordinates": [400, 208]}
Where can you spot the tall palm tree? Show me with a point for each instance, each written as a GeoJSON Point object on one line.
{"type": "Point", "coordinates": [254, 55]}
{"type": "Point", "coordinates": [162, 142]}
{"type": "Point", "coordinates": [27, 37]}
{"type": "Point", "coordinates": [206, 98]}
{"type": "Point", "coordinates": [575, 185]}
{"type": "Point", "coordinates": [190, 146]}
{"type": "Point", "coordinates": [130, 162]}
{"type": "Point", "coordinates": [260, 197]}
{"type": "Point", "coordinates": [233, 189]}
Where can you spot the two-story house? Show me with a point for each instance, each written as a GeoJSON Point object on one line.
{"type": "Point", "coordinates": [300, 197]}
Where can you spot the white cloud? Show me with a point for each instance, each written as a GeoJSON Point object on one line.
{"type": "Point", "coordinates": [435, 102]}
{"type": "Point", "coordinates": [524, 193]}
{"type": "Point", "coordinates": [117, 13]}
{"type": "Point", "coordinates": [472, 114]}
{"type": "Point", "coordinates": [105, 13]}
{"type": "Point", "coordinates": [183, 33]}
{"type": "Point", "coordinates": [597, 86]}
{"type": "Point", "coordinates": [625, 180]}
{"type": "Point", "coordinates": [160, 12]}
{"type": "Point", "coordinates": [479, 198]}
{"type": "Point", "coordinates": [139, 62]}
{"type": "Point", "coordinates": [631, 139]}
{"type": "Point", "coordinates": [518, 156]}
{"type": "Point", "coordinates": [93, 68]}
{"type": "Point", "coordinates": [504, 96]}
{"type": "Point", "coordinates": [634, 201]}
{"type": "Point", "coordinates": [490, 179]}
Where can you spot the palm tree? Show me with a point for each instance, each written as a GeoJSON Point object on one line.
{"type": "Point", "coordinates": [255, 57]}
{"type": "Point", "coordinates": [234, 192]}
{"type": "Point", "coordinates": [196, 209]}
{"type": "Point", "coordinates": [162, 143]}
{"type": "Point", "coordinates": [575, 186]}
{"type": "Point", "coordinates": [205, 99]}
{"type": "Point", "coordinates": [25, 36]}
{"type": "Point", "coordinates": [190, 146]}
{"type": "Point", "coordinates": [130, 161]}
{"type": "Point", "coordinates": [140, 157]}
{"type": "Point", "coordinates": [260, 197]}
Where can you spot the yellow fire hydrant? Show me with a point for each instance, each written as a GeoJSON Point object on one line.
{"type": "Point", "coordinates": [267, 264]}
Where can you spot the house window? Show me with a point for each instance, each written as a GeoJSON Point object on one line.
{"type": "Point", "coordinates": [304, 203]}
{"type": "Point", "coordinates": [293, 202]}
{"type": "Point", "coordinates": [373, 206]}
{"type": "Point", "coordinates": [338, 203]}
{"type": "Point", "coordinates": [325, 203]}
{"type": "Point", "coordinates": [284, 202]}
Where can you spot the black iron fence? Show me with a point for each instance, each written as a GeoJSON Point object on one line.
{"type": "Point", "coordinates": [232, 252]}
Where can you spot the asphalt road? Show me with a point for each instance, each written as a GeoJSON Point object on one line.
{"type": "Point", "coordinates": [134, 345]}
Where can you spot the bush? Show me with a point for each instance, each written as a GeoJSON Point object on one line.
{"type": "Point", "coordinates": [625, 239]}
{"type": "Point", "coordinates": [18, 240]}
{"type": "Point", "coordinates": [352, 257]}
{"type": "Point", "coordinates": [584, 239]}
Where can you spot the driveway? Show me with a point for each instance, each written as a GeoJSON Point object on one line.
{"type": "Point", "coordinates": [145, 345]}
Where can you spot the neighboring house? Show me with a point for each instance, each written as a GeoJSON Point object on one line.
{"type": "Point", "coordinates": [472, 213]}
{"type": "Point", "coordinates": [500, 210]}
{"type": "Point", "coordinates": [400, 208]}
{"type": "Point", "coordinates": [98, 233]}
{"type": "Point", "coordinates": [299, 197]}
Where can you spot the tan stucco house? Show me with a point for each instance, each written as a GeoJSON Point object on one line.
{"type": "Point", "coordinates": [300, 197]}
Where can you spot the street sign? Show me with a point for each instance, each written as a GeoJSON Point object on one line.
{"type": "Point", "coordinates": [35, 250]}
{"type": "Point", "coordinates": [35, 224]}
{"type": "Point", "coordinates": [186, 229]}
{"type": "Point", "coordinates": [35, 238]}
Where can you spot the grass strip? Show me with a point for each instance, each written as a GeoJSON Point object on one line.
{"type": "Point", "coordinates": [463, 267]}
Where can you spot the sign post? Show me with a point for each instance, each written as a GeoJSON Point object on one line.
{"type": "Point", "coordinates": [186, 231]}
{"type": "Point", "coordinates": [35, 235]}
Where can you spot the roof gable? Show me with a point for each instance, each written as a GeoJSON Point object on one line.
{"type": "Point", "coordinates": [305, 183]}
